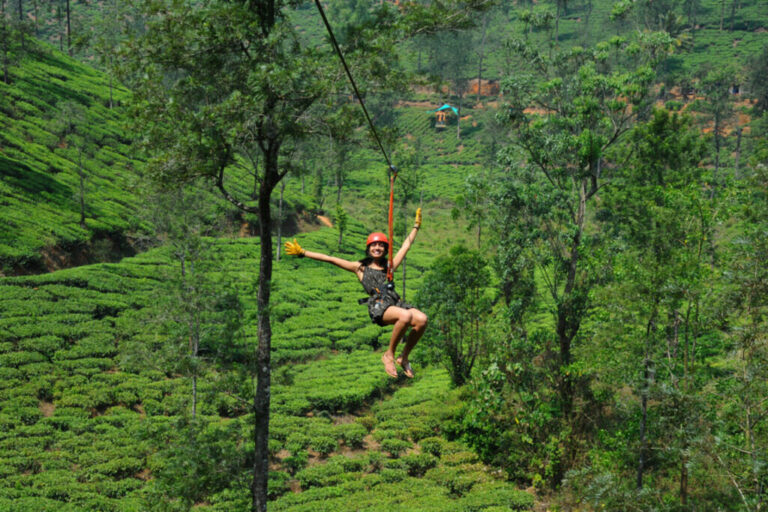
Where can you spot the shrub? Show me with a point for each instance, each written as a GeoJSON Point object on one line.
{"type": "Point", "coordinates": [368, 421]}
{"type": "Point", "coordinates": [353, 434]}
{"type": "Point", "coordinates": [391, 476]}
{"type": "Point", "coordinates": [376, 460]}
{"type": "Point", "coordinates": [296, 442]}
{"type": "Point", "coordinates": [350, 464]}
{"type": "Point", "coordinates": [418, 431]}
{"type": "Point", "coordinates": [395, 446]}
{"type": "Point", "coordinates": [320, 475]}
{"type": "Point", "coordinates": [324, 445]}
{"type": "Point", "coordinates": [496, 496]}
{"type": "Point", "coordinates": [274, 446]}
{"type": "Point", "coordinates": [455, 459]}
{"type": "Point", "coordinates": [432, 445]}
{"type": "Point", "coordinates": [458, 480]}
{"type": "Point", "coordinates": [418, 463]}
{"type": "Point", "coordinates": [295, 462]}
{"type": "Point", "coordinates": [381, 434]}
{"type": "Point", "coordinates": [277, 484]}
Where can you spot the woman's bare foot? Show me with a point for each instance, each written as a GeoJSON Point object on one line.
{"type": "Point", "coordinates": [407, 370]}
{"type": "Point", "coordinates": [389, 365]}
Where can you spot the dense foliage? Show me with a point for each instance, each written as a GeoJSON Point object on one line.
{"type": "Point", "coordinates": [605, 337]}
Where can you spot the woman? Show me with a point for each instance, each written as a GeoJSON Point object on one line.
{"type": "Point", "coordinates": [384, 305]}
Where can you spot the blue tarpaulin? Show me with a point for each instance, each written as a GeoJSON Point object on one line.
{"type": "Point", "coordinates": [446, 107]}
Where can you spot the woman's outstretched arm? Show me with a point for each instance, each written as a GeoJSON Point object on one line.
{"type": "Point", "coordinates": [294, 249]}
{"type": "Point", "coordinates": [407, 242]}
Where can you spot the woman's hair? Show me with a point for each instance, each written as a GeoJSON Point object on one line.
{"type": "Point", "coordinates": [365, 262]}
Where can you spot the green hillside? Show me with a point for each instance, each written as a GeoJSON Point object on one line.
{"type": "Point", "coordinates": [41, 159]}
{"type": "Point", "coordinates": [88, 420]}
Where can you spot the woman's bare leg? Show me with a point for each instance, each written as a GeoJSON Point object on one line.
{"type": "Point", "coordinates": [419, 325]}
{"type": "Point", "coordinates": [400, 319]}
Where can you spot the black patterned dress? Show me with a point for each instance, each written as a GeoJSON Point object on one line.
{"type": "Point", "coordinates": [381, 294]}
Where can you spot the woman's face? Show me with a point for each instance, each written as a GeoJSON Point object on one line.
{"type": "Point", "coordinates": [377, 249]}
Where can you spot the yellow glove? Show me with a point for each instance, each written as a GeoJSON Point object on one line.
{"type": "Point", "coordinates": [417, 222]}
{"type": "Point", "coordinates": [294, 249]}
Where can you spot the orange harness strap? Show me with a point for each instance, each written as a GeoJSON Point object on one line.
{"type": "Point", "coordinates": [392, 177]}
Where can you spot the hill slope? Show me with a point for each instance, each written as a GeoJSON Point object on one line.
{"type": "Point", "coordinates": [92, 419]}
{"type": "Point", "coordinates": [44, 147]}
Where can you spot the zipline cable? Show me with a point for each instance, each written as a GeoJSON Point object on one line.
{"type": "Point", "coordinates": [392, 168]}
{"type": "Point", "coordinates": [354, 85]}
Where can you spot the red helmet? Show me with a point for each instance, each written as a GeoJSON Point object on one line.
{"type": "Point", "coordinates": [376, 237]}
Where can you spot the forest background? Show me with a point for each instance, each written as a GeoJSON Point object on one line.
{"type": "Point", "coordinates": [591, 259]}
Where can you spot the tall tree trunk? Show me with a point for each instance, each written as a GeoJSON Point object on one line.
{"type": "Point", "coordinates": [568, 318]}
{"type": "Point", "coordinates": [4, 36]}
{"type": "Point", "coordinates": [263, 371]}
{"type": "Point", "coordinates": [69, 31]}
{"type": "Point", "coordinates": [458, 120]}
{"type": "Point", "coordinates": [194, 349]}
{"type": "Point", "coordinates": [82, 187]}
{"type": "Point", "coordinates": [643, 423]}
{"type": "Point", "coordinates": [585, 31]}
{"type": "Point", "coordinates": [60, 21]}
{"type": "Point", "coordinates": [738, 151]}
{"type": "Point", "coordinates": [280, 220]}
{"type": "Point", "coordinates": [647, 377]}
{"type": "Point", "coordinates": [722, 14]}
{"type": "Point", "coordinates": [480, 56]}
{"type": "Point", "coordinates": [716, 172]}
{"type": "Point", "coordinates": [684, 481]}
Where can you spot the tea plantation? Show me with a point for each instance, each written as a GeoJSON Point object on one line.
{"type": "Point", "coordinates": [58, 120]}
{"type": "Point", "coordinates": [87, 413]}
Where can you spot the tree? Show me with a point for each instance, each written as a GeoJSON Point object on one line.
{"type": "Point", "coordinates": [655, 205]}
{"type": "Point", "coordinates": [740, 449]}
{"type": "Point", "coordinates": [561, 8]}
{"type": "Point", "coordinates": [342, 219]}
{"type": "Point", "coordinates": [450, 64]}
{"type": "Point", "coordinates": [588, 110]}
{"type": "Point", "coordinates": [13, 33]}
{"type": "Point", "coordinates": [106, 39]}
{"type": "Point", "coordinates": [231, 78]}
{"type": "Point", "coordinates": [410, 159]}
{"type": "Point", "coordinates": [69, 29]}
{"type": "Point", "coordinates": [70, 124]}
{"type": "Point", "coordinates": [473, 204]}
{"type": "Point", "coordinates": [758, 81]}
{"type": "Point", "coordinates": [214, 82]}
{"type": "Point", "coordinates": [455, 295]}
{"type": "Point", "coordinates": [716, 85]}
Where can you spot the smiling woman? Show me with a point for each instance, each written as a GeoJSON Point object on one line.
{"type": "Point", "coordinates": [384, 304]}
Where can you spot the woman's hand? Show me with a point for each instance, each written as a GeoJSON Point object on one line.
{"type": "Point", "coordinates": [294, 249]}
{"type": "Point", "coordinates": [417, 222]}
